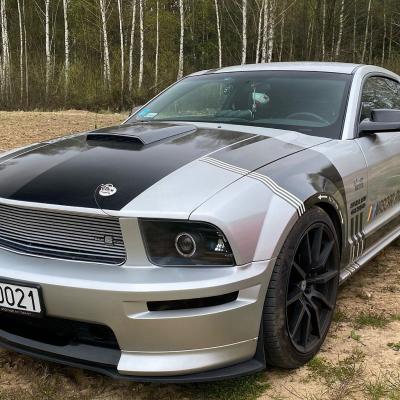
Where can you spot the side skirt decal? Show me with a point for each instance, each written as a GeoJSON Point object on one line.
{"type": "Point", "coordinates": [272, 185]}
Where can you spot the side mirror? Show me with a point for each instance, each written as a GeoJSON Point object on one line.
{"type": "Point", "coordinates": [381, 121]}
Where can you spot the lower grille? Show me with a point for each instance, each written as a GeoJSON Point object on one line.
{"type": "Point", "coordinates": [58, 331]}
{"type": "Point", "coordinates": [61, 235]}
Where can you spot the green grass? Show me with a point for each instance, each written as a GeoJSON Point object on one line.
{"type": "Point", "coordinates": [340, 316]}
{"type": "Point", "coordinates": [386, 387]}
{"type": "Point", "coordinates": [355, 336]}
{"type": "Point", "coordinates": [394, 346]}
{"type": "Point", "coordinates": [341, 378]}
{"type": "Point", "coordinates": [246, 388]}
{"type": "Point", "coordinates": [372, 319]}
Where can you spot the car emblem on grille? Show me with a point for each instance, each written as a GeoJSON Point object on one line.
{"type": "Point", "coordinates": [107, 189]}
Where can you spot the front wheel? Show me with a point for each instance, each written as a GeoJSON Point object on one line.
{"type": "Point", "coordinates": [302, 292]}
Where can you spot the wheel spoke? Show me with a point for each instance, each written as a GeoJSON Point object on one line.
{"type": "Point", "coordinates": [298, 322]}
{"type": "Point", "coordinates": [317, 316]}
{"type": "Point", "coordinates": [324, 278]}
{"type": "Point", "coordinates": [293, 297]}
{"type": "Point", "coordinates": [307, 331]}
{"type": "Point", "coordinates": [326, 252]}
{"type": "Point", "coordinates": [320, 296]}
{"type": "Point", "coordinates": [308, 248]}
{"type": "Point", "coordinates": [317, 244]}
{"type": "Point", "coordinates": [299, 270]}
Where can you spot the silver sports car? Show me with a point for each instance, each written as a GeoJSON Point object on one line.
{"type": "Point", "coordinates": [206, 236]}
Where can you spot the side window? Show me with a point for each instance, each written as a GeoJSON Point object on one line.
{"type": "Point", "coordinates": [379, 93]}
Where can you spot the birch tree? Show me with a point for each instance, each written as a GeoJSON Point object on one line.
{"type": "Point", "coordinates": [366, 33]}
{"type": "Point", "coordinates": [384, 34]}
{"type": "Point", "coordinates": [26, 55]}
{"type": "Point", "coordinates": [141, 28]}
{"type": "Point", "coordinates": [260, 15]}
{"type": "Point", "coordinates": [323, 28]}
{"type": "Point", "coordinates": [339, 41]}
{"type": "Point", "coordinates": [282, 36]}
{"type": "Point", "coordinates": [157, 43]}
{"type": "Point", "coordinates": [218, 34]}
{"type": "Point", "coordinates": [132, 42]}
{"type": "Point", "coordinates": [106, 58]}
{"type": "Point", "coordinates": [66, 46]}
{"type": "Point", "coordinates": [122, 49]}
{"type": "Point", "coordinates": [180, 62]}
{"type": "Point", "coordinates": [354, 30]}
{"type": "Point", "coordinates": [48, 49]}
{"type": "Point", "coordinates": [5, 61]}
{"type": "Point", "coordinates": [265, 32]}
{"type": "Point", "coordinates": [244, 31]}
{"type": "Point", "coordinates": [271, 29]}
{"type": "Point", "coordinates": [21, 51]}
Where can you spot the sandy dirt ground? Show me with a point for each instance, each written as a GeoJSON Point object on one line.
{"type": "Point", "coordinates": [359, 360]}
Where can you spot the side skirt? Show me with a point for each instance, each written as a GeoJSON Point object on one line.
{"type": "Point", "coordinates": [352, 268]}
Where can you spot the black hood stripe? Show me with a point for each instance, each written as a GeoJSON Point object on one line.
{"type": "Point", "coordinates": [68, 171]}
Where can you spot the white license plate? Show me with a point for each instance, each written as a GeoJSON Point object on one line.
{"type": "Point", "coordinates": [19, 299]}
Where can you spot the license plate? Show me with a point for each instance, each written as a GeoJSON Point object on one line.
{"type": "Point", "coordinates": [20, 298]}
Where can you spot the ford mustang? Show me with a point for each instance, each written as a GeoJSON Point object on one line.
{"type": "Point", "coordinates": [206, 236]}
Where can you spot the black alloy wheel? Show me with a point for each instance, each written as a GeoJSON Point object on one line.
{"type": "Point", "coordinates": [301, 296]}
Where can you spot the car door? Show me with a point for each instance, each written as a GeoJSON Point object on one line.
{"type": "Point", "coordinates": [382, 154]}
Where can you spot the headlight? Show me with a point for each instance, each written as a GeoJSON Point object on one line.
{"type": "Point", "coordinates": [176, 243]}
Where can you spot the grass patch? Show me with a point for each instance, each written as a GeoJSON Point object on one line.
{"type": "Point", "coordinates": [355, 336]}
{"type": "Point", "coordinates": [340, 316]}
{"type": "Point", "coordinates": [246, 388]}
{"type": "Point", "coordinates": [394, 346]}
{"type": "Point", "coordinates": [384, 387]}
{"type": "Point", "coordinates": [372, 319]}
{"type": "Point", "coordinates": [341, 378]}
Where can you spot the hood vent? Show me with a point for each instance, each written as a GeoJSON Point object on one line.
{"type": "Point", "coordinates": [139, 134]}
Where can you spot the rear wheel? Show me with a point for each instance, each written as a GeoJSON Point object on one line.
{"type": "Point", "coordinates": [302, 292]}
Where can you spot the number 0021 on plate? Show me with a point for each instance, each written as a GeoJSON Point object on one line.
{"type": "Point", "coordinates": [20, 298]}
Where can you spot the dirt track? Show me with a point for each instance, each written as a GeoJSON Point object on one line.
{"type": "Point", "coordinates": [360, 359]}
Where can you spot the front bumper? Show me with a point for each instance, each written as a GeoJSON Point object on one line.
{"type": "Point", "coordinates": [177, 345]}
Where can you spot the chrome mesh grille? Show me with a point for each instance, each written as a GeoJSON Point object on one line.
{"type": "Point", "coordinates": [61, 235]}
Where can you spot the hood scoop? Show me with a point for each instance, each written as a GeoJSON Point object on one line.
{"type": "Point", "coordinates": [140, 134]}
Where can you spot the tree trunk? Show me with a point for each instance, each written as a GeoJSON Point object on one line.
{"type": "Point", "coordinates": [271, 29]}
{"type": "Point", "coordinates": [21, 52]}
{"type": "Point", "coordinates": [182, 36]}
{"type": "Point", "coordinates": [366, 33]}
{"type": "Point", "coordinates": [157, 44]}
{"type": "Point", "coordinates": [244, 31]}
{"type": "Point", "coordinates": [354, 30]}
{"type": "Point", "coordinates": [26, 57]}
{"type": "Point", "coordinates": [282, 33]}
{"type": "Point", "coordinates": [259, 32]}
{"type": "Point", "coordinates": [122, 50]}
{"type": "Point", "coordinates": [341, 19]}
{"type": "Point", "coordinates": [384, 34]}
{"type": "Point", "coordinates": [66, 45]}
{"type": "Point", "coordinates": [323, 28]}
{"type": "Point", "coordinates": [48, 49]}
{"type": "Point", "coordinates": [390, 39]}
{"type": "Point", "coordinates": [218, 34]}
{"type": "Point", "coordinates": [141, 62]}
{"type": "Point", "coordinates": [106, 63]}
{"type": "Point", "coordinates": [5, 75]}
{"type": "Point", "coordinates": [371, 43]}
{"type": "Point", "coordinates": [130, 70]}
{"type": "Point", "coordinates": [265, 32]}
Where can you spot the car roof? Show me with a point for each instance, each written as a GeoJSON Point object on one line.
{"type": "Point", "coordinates": [343, 68]}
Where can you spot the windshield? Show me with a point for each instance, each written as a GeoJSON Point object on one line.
{"type": "Point", "coordinates": [309, 102]}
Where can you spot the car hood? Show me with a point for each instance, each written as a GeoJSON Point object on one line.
{"type": "Point", "coordinates": [134, 159]}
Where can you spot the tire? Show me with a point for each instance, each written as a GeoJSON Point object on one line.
{"type": "Point", "coordinates": [298, 292]}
